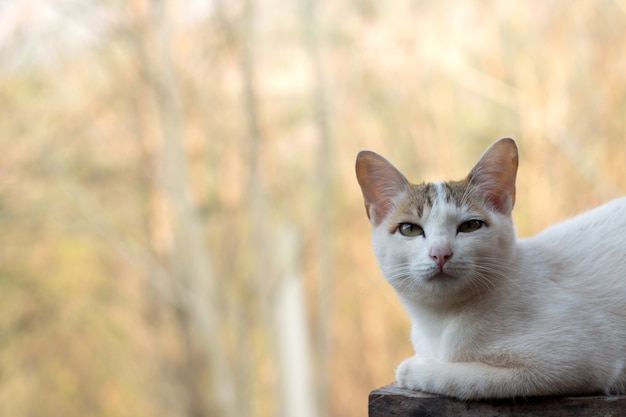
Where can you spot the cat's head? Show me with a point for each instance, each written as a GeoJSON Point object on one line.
{"type": "Point", "coordinates": [443, 242]}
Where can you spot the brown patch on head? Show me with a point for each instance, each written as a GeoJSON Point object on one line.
{"type": "Point", "coordinates": [464, 194]}
{"type": "Point", "coordinates": [455, 191]}
{"type": "Point", "coordinates": [414, 203]}
{"type": "Point", "coordinates": [420, 197]}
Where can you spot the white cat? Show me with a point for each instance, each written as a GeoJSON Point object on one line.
{"type": "Point", "coordinates": [493, 316]}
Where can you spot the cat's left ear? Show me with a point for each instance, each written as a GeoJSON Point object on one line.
{"type": "Point", "coordinates": [495, 174]}
{"type": "Point", "coordinates": [381, 184]}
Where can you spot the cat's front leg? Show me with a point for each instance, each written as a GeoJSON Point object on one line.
{"type": "Point", "coordinates": [420, 374]}
{"type": "Point", "coordinates": [464, 380]}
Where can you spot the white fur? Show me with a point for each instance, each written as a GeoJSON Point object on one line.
{"type": "Point", "coordinates": [539, 316]}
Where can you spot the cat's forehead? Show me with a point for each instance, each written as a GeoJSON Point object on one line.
{"type": "Point", "coordinates": [421, 198]}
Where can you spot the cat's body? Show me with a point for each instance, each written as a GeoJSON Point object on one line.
{"type": "Point", "coordinates": [493, 316]}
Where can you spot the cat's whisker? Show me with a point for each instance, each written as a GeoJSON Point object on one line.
{"type": "Point", "coordinates": [487, 273]}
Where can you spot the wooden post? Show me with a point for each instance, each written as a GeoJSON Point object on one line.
{"type": "Point", "coordinates": [391, 401]}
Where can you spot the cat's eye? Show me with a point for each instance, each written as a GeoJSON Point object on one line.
{"type": "Point", "coordinates": [410, 230]}
{"type": "Point", "coordinates": [470, 226]}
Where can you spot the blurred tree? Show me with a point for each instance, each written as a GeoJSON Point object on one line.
{"type": "Point", "coordinates": [324, 171]}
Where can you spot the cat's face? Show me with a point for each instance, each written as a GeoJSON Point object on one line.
{"type": "Point", "coordinates": [442, 243]}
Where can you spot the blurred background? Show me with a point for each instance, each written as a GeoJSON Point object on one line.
{"type": "Point", "coordinates": [181, 230]}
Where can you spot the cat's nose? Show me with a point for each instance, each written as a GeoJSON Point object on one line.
{"type": "Point", "coordinates": [440, 254]}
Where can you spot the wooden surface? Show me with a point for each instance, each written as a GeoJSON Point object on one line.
{"type": "Point", "coordinates": [391, 401]}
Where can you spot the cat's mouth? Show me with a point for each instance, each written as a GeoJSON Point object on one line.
{"type": "Point", "coordinates": [440, 276]}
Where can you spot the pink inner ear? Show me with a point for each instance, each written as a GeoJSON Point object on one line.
{"type": "Point", "coordinates": [380, 183]}
{"type": "Point", "coordinates": [380, 210]}
{"type": "Point", "coordinates": [495, 173]}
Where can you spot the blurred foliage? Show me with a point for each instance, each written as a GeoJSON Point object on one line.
{"type": "Point", "coordinates": [156, 154]}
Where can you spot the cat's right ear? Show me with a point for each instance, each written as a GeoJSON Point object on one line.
{"type": "Point", "coordinates": [380, 183]}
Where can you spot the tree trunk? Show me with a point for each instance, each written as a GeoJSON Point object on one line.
{"type": "Point", "coordinates": [189, 258]}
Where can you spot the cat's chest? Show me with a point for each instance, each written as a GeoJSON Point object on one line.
{"type": "Point", "coordinates": [450, 339]}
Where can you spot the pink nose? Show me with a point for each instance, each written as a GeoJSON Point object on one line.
{"type": "Point", "coordinates": [441, 255]}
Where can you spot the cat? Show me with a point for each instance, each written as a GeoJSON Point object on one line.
{"type": "Point", "coordinates": [494, 316]}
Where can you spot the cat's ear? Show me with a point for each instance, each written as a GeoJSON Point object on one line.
{"type": "Point", "coordinates": [495, 173]}
{"type": "Point", "coordinates": [380, 183]}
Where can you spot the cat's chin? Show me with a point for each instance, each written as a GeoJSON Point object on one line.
{"type": "Point", "coordinates": [443, 288]}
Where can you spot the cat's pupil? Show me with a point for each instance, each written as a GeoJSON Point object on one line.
{"type": "Point", "coordinates": [410, 229]}
{"type": "Point", "coordinates": [470, 226]}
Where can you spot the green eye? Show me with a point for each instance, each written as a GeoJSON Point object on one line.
{"type": "Point", "coordinates": [470, 226]}
{"type": "Point", "coordinates": [410, 230]}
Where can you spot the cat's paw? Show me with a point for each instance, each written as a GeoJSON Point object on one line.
{"type": "Point", "coordinates": [420, 374]}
